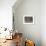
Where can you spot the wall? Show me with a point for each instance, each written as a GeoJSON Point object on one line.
{"type": "Point", "coordinates": [43, 22]}
{"type": "Point", "coordinates": [6, 13]}
{"type": "Point", "coordinates": [30, 31]}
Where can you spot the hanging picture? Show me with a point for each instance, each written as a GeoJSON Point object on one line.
{"type": "Point", "coordinates": [28, 19]}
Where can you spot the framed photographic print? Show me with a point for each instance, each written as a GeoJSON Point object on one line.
{"type": "Point", "coordinates": [28, 19]}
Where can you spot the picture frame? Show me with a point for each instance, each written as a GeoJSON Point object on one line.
{"type": "Point", "coordinates": [28, 19]}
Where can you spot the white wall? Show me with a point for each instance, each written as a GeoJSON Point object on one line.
{"type": "Point", "coordinates": [31, 31]}
{"type": "Point", "coordinates": [43, 22]}
{"type": "Point", "coordinates": [6, 13]}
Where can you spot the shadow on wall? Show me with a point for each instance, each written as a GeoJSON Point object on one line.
{"type": "Point", "coordinates": [28, 7]}
{"type": "Point", "coordinates": [37, 41]}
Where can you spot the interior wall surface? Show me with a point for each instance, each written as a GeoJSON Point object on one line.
{"type": "Point", "coordinates": [30, 31]}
